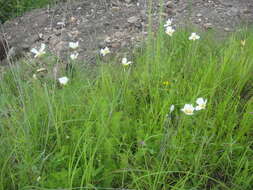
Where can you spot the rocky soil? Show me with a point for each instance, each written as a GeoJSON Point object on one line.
{"type": "Point", "coordinates": [118, 24]}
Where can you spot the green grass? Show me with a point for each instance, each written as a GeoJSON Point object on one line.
{"type": "Point", "coordinates": [13, 8]}
{"type": "Point", "coordinates": [111, 128]}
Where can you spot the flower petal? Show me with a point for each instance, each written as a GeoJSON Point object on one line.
{"type": "Point", "coordinates": [34, 51]}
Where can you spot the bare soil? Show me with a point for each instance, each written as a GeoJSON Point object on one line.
{"type": "Point", "coordinates": [118, 24]}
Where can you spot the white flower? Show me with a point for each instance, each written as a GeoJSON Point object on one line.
{"type": "Point", "coordinates": [39, 52]}
{"type": "Point", "coordinates": [243, 42]}
{"type": "Point", "coordinates": [38, 179]}
{"type": "Point", "coordinates": [168, 23]}
{"type": "Point", "coordinates": [188, 109]}
{"type": "Point", "coordinates": [172, 108]}
{"type": "Point", "coordinates": [104, 51]}
{"type": "Point", "coordinates": [125, 62]}
{"type": "Point", "coordinates": [201, 104]}
{"type": "Point", "coordinates": [73, 45]}
{"type": "Point", "coordinates": [194, 36]}
{"type": "Point", "coordinates": [169, 30]}
{"type": "Point", "coordinates": [74, 56]}
{"type": "Point", "coordinates": [63, 80]}
{"type": "Point", "coordinates": [35, 76]}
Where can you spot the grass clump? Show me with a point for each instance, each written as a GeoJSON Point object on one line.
{"type": "Point", "coordinates": [116, 130]}
{"type": "Point", "coordinates": [13, 8]}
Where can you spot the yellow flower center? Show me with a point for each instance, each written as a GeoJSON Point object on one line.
{"type": "Point", "coordinates": [188, 111]}
{"type": "Point", "coordinates": [166, 83]}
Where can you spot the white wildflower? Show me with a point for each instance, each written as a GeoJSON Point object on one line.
{"type": "Point", "coordinates": [39, 52]}
{"type": "Point", "coordinates": [168, 23]}
{"type": "Point", "coordinates": [172, 108]}
{"type": "Point", "coordinates": [125, 62]}
{"type": "Point", "coordinates": [188, 109]}
{"type": "Point", "coordinates": [38, 179]}
{"type": "Point", "coordinates": [243, 42]}
{"type": "Point", "coordinates": [201, 104]}
{"type": "Point", "coordinates": [74, 45]}
{"type": "Point", "coordinates": [74, 56]}
{"type": "Point", "coordinates": [63, 80]}
{"type": "Point", "coordinates": [194, 37]}
{"type": "Point", "coordinates": [35, 76]}
{"type": "Point", "coordinates": [104, 51]}
{"type": "Point", "coordinates": [169, 30]}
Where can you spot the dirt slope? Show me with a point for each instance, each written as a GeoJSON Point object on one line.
{"type": "Point", "coordinates": [118, 24]}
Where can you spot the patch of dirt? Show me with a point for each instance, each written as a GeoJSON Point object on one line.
{"type": "Point", "coordinates": [117, 24]}
{"type": "Point", "coordinates": [222, 15]}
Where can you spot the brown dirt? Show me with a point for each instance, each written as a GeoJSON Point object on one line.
{"type": "Point", "coordinates": [118, 24]}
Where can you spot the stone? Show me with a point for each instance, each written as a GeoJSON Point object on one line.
{"type": "Point", "coordinates": [115, 9]}
{"type": "Point", "coordinates": [116, 45]}
{"type": "Point", "coordinates": [208, 25]}
{"type": "Point", "coordinates": [198, 20]}
{"type": "Point", "coordinates": [119, 34]}
{"type": "Point", "coordinates": [246, 11]}
{"type": "Point", "coordinates": [164, 14]}
{"type": "Point", "coordinates": [133, 20]}
{"type": "Point", "coordinates": [234, 9]}
{"type": "Point", "coordinates": [227, 29]}
{"type": "Point", "coordinates": [170, 11]}
{"type": "Point", "coordinates": [169, 4]}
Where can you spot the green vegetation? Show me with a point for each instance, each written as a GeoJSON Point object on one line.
{"type": "Point", "coordinates": [13, 8]}
{"type": "Point", "coordinates": [112, 127]}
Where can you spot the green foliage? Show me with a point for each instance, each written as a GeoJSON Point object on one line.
{"type": "Point", "coordinates": [112, 128]}
{"type": "Point", "coordinates": [13, 8]}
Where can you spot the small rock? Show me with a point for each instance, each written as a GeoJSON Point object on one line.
{"type": "Point", "coordinates": [143, 13]}
{"type": "Point", "coordinates": [208, 25]}
{"type": "Point", "coordinates": [61, 24]}
{"type": "Point", "coordinates": [124, 44]}
{"type": "Point", "coordinates": [133, 20]}
{"type": "Point", "coordinates": [235, 10]}
{"type": "Point", "coordinates": [35, 38]}
{"type": "Point", "coordinates": [199, 15]}
{"type": "Point", "coordinates": [128, 1]}
{"type": "Point", "coordinates": [169, 4]}
{"type": "Point", "coordinates": [116, 45]}
{"type": "Point", "coordinates": [114, 2]}
{"type": "Point", "coordinates": [101, 44]}
{"type": "Point", "coordinates": [115, 9]}
{"type": "Point", "coordinates": [170, 11]}
{"type": "Point", "coordinates": [118, 34]}
{"type": "Point", "coordinates": [181, 9]}
{"type": "Point", "coordinates": [198, 20]}
{"type": "Point", "coordinates": [41, 70]}
{"type": "Point", "coordinates": [40, 36]}
{"type": "Point", "coordinates": [164, 14]}
{"type": "Point", "coordinates": [227, 29]}
{"type": "Point", "coordinates": [108, 39]}
{"type": "Point", "coordinates": [73, 19]}
{"type": "Point", "coordinates": [245, 11]}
